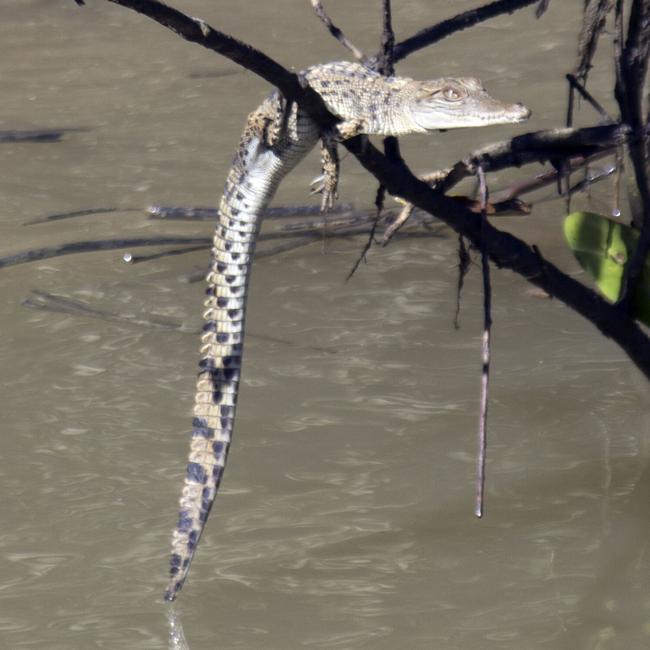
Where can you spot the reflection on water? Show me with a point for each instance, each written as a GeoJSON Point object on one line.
{"type": "Point", "coordinates": [177, 640]}
{"type": "Point", "coordinates": [346, 515]}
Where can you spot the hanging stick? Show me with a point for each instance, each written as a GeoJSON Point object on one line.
{"type": "Point", "coordinates": [485, 350]}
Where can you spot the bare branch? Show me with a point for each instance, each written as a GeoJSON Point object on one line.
{"type": "Point", "coordinates": [386, 60]}
{"type": "Point", "coordinates": [379, 206]}
{"type": "Point", "coordinates": [540, 146]}
{"type": "Point", "coordinates": [631, 69]}
{"type": "Point", "coordinates": [551, 176]}
{"type": "Point", "coordinates": [337, 33]}
{"type": "Point", "coordinates": [467, 19]}
{"type": "Point", "coordinates": [576, 84]}
{"type": "Point", "coordinates": [485, 348]}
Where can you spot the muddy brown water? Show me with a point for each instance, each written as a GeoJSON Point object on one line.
{"type": "Point", "coordinates": [346, 515]}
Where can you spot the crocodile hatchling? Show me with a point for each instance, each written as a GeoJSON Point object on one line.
{"type": "Point", "coordinates": [273, 142]}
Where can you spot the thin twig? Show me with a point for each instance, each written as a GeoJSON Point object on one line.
{"type": "Point", "coordinates": [620, 170]}
{"type": "Point", "coordinates": [467, 19]}
{"type": "Point", "coordinates": [577, 85]}
{"type": "Point", "coordinates": [550, 176]}
{"type": "Point", "coordinates": [485, 350]}
{"type": "Point", "coordinates": [570, 147]}
{"type": "Point", "coordinates": [337, 33]}
{"type": "Point", "coordinates": [539, 146]}
{"type": "Point", "coordinates": [379, 204]}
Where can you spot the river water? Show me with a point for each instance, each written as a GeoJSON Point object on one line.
{"type": "Point", "coordinates": [345, 519]}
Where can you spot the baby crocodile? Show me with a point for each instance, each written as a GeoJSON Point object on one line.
{"type": "Point", "coordinates": [274, 140]}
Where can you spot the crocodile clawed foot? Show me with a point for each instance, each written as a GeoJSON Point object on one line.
{"type": "Point", "coordinates": [326, 186]}
{"type": "Point", "coordinates": [328, 199]}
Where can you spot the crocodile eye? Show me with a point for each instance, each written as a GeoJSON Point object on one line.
{"type": "Point", "coordinates": [452, 94]}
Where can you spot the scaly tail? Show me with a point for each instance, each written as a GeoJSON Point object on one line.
{"type": "Point", "coordinates": [216, 393]}
{"type": "Point", "coordinates": [221, 355]}
{"type": "Point", "coordinates": [271, 145]}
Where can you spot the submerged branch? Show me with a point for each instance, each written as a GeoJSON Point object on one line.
{"type": "Point", "coordinates": [35, 254]}
{"type": "Point", "coordinates": [179, 213]}
{"type": "Point", "coordinates": [37, 135]}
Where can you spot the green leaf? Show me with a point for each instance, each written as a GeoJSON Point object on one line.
{"type": "Point", "coordinates": [603, 247]}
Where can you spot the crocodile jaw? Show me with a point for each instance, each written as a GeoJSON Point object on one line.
{"type": "Point", "coordinates": [460, 103]}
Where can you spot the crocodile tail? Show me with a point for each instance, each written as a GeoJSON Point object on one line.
{"type": "Point", "coordinates": [218, 379]}
{"type": "Point", "coordinates": [270, 147]}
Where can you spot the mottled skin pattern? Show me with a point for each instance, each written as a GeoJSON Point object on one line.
{"type": "Point", "coordinates": [274, 141]}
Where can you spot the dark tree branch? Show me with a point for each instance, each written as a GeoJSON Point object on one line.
{"type": "Point", "coordinates": [539, 146]}
{"type": "Point", "coordinates": [386, 58]}
{"type": "Point", "coordinates": [566, 148]}
{"type": "Point", "coordinates": [551, 176]}
{"type": "Point", "coordinates": [577, 85]}
{"type": "Point", "coordinates": [385, 65]}
{"type": "Point", "coordinates": [467, 19]}
{"type": "Point", "coordinates": [631, 68]}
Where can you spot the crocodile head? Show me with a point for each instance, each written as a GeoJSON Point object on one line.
{"type": "Point", "coordinates": [457, 103]}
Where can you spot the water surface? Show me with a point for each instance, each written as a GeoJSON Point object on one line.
{"type": "Point", "coordinates": [346, 515]}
